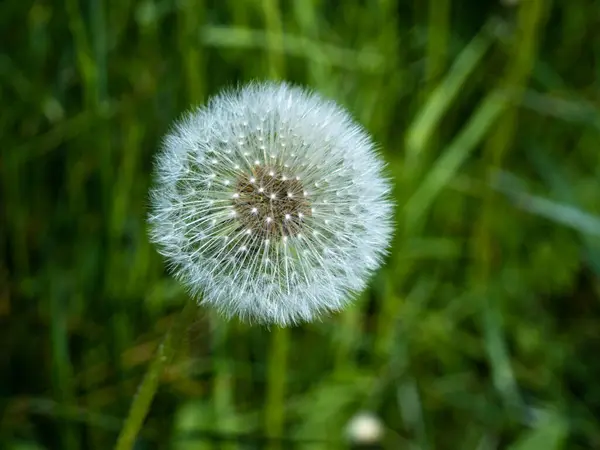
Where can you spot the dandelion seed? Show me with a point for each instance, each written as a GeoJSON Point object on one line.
{"type": "Point", "coordinates": [261, 224]}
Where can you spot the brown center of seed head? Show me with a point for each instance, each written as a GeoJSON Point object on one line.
{"type": "Point", "coordinates": [270, 204]}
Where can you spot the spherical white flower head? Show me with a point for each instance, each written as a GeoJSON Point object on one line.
{"type": "Point", "coordinates": [271, 202]}
{"type": "Point", "coordinates": [365, 428]}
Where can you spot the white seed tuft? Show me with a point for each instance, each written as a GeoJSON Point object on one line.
{"type": "Point", "coordinates": [256, 244]}
{"type": "Point", "coordinates": [365, 428]}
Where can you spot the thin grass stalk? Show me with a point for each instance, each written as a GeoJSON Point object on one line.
{"type": "Point", "coordinates": [149, 385]}
{"type": "Point", "coordinates": [530, 21]}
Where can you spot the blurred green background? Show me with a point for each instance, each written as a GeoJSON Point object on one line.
{"type": "Point", "coordinates": [482, 330]}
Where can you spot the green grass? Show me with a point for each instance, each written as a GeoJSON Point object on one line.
{"type": "Point", "coordinates": [481, 331]}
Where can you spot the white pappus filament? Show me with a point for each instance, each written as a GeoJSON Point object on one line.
{"type": "Point", "coordinates": [271, 202]}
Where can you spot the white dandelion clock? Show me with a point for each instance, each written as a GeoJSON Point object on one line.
{"type": "Point", "coordinates": [365, 428]}
{"type": "Point", "coordinates": [271, 202]}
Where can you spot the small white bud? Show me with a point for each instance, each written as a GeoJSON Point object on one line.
{"type": "Point", "coordinates": [365, 428]}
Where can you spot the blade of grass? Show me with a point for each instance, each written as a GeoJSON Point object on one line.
{"type": "Point", "coordinates": [149, 385]}
{"type": "Point", "coordinates": [83, 52]}
{"type": "Point", "coordinates": [443, 96]}
{"type": "Point", "coordinates": [564, 214]}
{"type": "Point", "coordinates": [438, 42]}
{"type": "Point", "coordinates": [448, 164]}
{"type": "Point", "coordinates": [550, 434]}
{"type": "Point", "coordinates": [62, 368]}
{"type": "Point", "coordinates": [240, 37]}
{"type": "Point", "coordinates": [273, 23]}
{"type": "Point", "coordinates": [556, 179]}
{"type": "Point", "coordinates": [307, 16]}
{"type": "Point", "coordinates": [438, 38]}
{"type": "Point", "coordinates": [530, 21]}
{"type": "Point", "coordinates": [495, 344]}
{"type": "Point", "coordinates": [191, 17]}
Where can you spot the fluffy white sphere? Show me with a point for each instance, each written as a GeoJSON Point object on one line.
{"type": "Point", "coordinates": [365, 428]}
{"type": "Point", "coordinates": [271, 202]}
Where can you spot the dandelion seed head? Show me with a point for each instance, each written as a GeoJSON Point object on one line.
{"type": "Point", "coordinates": [365, 428]}
{"type": "Point", "coordinates": [271, 203]}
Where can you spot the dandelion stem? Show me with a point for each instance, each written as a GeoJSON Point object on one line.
{"type": "Point", "coordinates": [147, 389]}
{"type": "Point", "coordinates": [277, 376]}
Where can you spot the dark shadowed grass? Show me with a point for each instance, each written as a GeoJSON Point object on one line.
{"type": "Point", "coordinates": [482, 330]}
